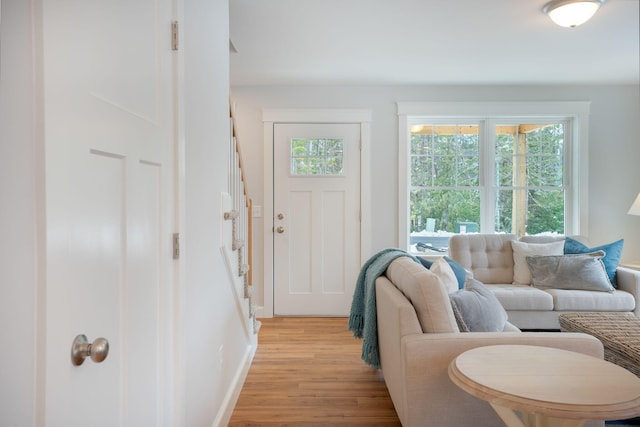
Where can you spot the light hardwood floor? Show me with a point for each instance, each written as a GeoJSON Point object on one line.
{"type": "Point", "coordinates": [308, 372]}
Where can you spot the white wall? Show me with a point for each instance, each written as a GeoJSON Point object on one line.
{"type": "Point", "coordinates": [213, 347]}
{"type": "Point", "coordinates": [614, 147]}
{"type": "Point", "coordinates": [18, 215]}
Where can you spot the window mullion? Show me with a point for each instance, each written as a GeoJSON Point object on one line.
{"type": "Point", "coordinates": [487, 173]}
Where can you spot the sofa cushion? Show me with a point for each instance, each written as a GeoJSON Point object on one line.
{"type": "Point", "coordinates": [443, 270]}
{"type": "Point", "coordinates": [477, 309]}
{"type": "Point", "coordinates": [489, 257]}
{"type": "Point", "coordinates": [521, 297]}
{"type": "Point", "coordinates": [572, 300]}
{"type": "Point", "coordinates": [427, 294]}
{"type": "Point", "coordinates": [510, 327]}
{"type": "Point", "coordinates": [521, 250]}
{"type": "Point", "coordinates": [458, 270]}
{"type": "Point", "coordinates": [575, 271]}
{"type": "Point", "coordinates": [459, 317]}
{"type": "Point", "coordinates": [541, 238]}
{"type": "Point", "coordinates": [548, 238]}
{"type": "Point", "coordinates": [613, 252]}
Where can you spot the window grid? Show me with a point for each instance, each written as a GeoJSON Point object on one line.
{"type": "Point", "coordinates": [317, 156]}
{"type": "Point", "coordinates": [528, 176]}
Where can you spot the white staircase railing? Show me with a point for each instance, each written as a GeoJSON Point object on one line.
{"type": "Point", "coordinates": [238, 211]}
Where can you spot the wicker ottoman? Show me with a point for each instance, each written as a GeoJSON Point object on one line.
{"type": "Point", "coordinates": [618, 332]}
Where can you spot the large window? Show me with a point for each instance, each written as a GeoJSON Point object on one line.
{"type": "Point", "coordinates": [506, 173]}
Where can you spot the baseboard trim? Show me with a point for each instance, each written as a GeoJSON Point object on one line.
{"type": "Point", "coordinates": [231, 398]}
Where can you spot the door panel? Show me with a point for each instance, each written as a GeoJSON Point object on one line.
{"type": "Point", "coordinates": [317, 239]}
{"type": "Point", "coordinates": [299, 253]}
{"type": "Point", "coordinates": [108, 109]}
{"type": "Point", "coordinates": [143, 291]}
{"type": "Point", "coordinates": [333, 235]}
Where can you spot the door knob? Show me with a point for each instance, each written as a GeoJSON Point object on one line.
{"type": "Point", "coordinates": [280, 229]}
{"type": "Point", "coordinates": [280, 216]}
{"type": "Point", "coordinates": [81, 348]}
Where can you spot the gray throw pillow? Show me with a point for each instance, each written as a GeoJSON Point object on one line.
{"type": "Point", "coordinates": [572, 271]}
{"type": "Point", "coordinates": [477, 309]}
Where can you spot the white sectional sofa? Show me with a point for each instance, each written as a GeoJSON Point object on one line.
{"type": "Point", "coordinates": [490, 258]}
{"type": "Point", "coordinates": [418, 341]}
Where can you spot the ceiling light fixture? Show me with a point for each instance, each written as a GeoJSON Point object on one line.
{"type": "Point", "coordinates": [571, 13]}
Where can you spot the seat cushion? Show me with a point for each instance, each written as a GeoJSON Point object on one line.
{"type": "Point", "coordinates": [573, 300]}
{"type": "Point", "coordinates": [427, 294]}
{"type": "Point", "coordinates": [522, 297]}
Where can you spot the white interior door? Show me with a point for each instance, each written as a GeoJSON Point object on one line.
{"type": "Point", "coordinates": [108, 130]}
{"type": "Point", "coordinates": [316, 218]}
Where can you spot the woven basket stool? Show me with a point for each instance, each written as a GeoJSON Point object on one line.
{"type": "Point", "coordinates": [618, 332]}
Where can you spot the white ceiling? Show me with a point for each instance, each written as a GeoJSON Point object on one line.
{"type": "Point", "coordinates": [377, 42]}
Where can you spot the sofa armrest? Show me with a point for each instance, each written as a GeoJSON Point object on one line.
{"type": "Point", "coordinates": [438, 347]}
{"type": "Point", "coordinates": [426, 359]}
{"type": "Point", "coordinates": [629, 280]}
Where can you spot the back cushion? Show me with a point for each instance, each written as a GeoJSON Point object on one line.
{"type": "Point", "coordinates": [488, 256]}
{"type": "Point", "coordinates": [427, 294]}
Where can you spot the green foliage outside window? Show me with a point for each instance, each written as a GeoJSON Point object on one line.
{"type": "Point", "coordinates": [441, 165]}
{"type": "Point", "coordinates": [445, 172]}
{"type": "Point", "coordinates": [323, 156]}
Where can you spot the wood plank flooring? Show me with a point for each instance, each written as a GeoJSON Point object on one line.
{"type": "Point", "coordinates": [307, 372]}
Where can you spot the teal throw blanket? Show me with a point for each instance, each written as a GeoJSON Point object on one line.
{"type": "Point", "coordinates": [363, 318]}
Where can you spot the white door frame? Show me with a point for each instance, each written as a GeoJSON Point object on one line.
{"type": "Point", "coordinates": [270, 117]}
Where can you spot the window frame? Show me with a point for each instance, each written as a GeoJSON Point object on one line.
{"type": "Point", "coordinates": [488, 114]}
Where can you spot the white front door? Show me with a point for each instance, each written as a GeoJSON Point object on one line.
{"type": "Point", "coordinates": [108, 131]}
{"type": "Point", "coordinates": [316, 218]}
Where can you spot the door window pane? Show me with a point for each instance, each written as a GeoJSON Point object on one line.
{"type": "Point", "coordinates": [317, 156]}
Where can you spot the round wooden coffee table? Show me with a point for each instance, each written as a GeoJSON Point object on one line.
{"type": "Point", "coordinates": [549, 386]}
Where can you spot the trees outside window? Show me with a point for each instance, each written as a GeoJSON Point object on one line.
{"type": "Point", "coordinates": [462, 172]}
{"type": "Point", "coordinates": [323, 156]}
{"type": "Point", "coordinates": [445, 179]}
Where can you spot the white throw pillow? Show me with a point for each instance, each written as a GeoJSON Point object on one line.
{"type": "Point", "coordinates": [521, 250]}
{"type": "Point", "coordinates": [443, 270]}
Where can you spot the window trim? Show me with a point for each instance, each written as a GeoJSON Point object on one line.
{"type": "Point", "coordinates": [576, 159]}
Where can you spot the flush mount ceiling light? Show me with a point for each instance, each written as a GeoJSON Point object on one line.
{"type": "Point", "coordinates": [571, 13]}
